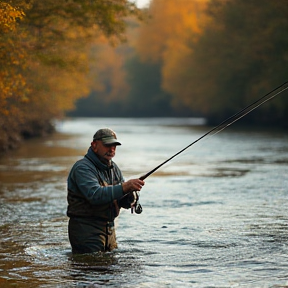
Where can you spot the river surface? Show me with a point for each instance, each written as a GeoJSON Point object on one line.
{"type": "Point", "coordinates": [214, 216]}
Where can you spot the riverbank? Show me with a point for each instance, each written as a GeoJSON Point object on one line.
{"type": "Point", "coordinates": [13, 133]}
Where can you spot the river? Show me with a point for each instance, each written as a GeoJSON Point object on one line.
{"type": "Point", "coordinates": [214, 216]}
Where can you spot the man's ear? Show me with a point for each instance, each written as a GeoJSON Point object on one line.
{"type": "Point", "coordinates": [94, 145]}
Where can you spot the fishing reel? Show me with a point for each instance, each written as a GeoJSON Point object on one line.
{"type": "Point", "coordinates": [136, 206]}
{"type": "Point", "coordinates": [131, 200]}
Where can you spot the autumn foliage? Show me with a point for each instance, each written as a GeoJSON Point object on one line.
{"type": "Point", "coordinates": [45, 58]}
{"type": "Point", "coordinates": [217, 56]}
{"type": "Point", "coordinates": [184, 58]}
{"type": "Point", "coordinates": [205, 58]}
{"type": "Point", "coordinates": [166, 39]}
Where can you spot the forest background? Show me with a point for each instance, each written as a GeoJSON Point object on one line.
{"type": "Point", "coordinates": [107, 58]}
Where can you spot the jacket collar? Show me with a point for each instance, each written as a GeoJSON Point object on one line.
{"type": "Point", "coordinates": [96, 161]}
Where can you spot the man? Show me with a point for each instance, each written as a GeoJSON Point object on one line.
{"type": "Point", "coordinates": [95, 194]}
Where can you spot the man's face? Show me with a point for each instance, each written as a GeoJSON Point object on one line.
{"type": "Point", "coordinates": [105, 152]}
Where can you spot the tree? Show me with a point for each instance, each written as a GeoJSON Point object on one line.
{"type": "Point", "coordinates": [45, 49]}
{"type": "Point", "coordinates": [12, 64]}
{"type": "Point", "coordinates": [165, 40]}
{"type": "Point", "coordinates": [240, 56]}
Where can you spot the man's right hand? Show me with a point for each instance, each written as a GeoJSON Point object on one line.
{"type": "Point", "coordinates": [132, 185]}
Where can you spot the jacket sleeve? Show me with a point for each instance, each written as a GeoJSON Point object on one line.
{"type": "Point", "coordinates": [85, 181]}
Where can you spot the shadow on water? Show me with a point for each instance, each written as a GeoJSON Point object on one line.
{"type": "Point", "coordinates": [102, 269]}
{"type": "Point", "coordinates": [92, 270]}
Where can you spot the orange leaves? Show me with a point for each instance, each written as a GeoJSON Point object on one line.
{"type": "Point", "coordinates": [9, 16]}
{"type": "Point", "coordinates": [166, 39]}
{"type": "Point", "coordinates": [12, 82]}
{"type": "Point", "coordinates": [108, 73]}
{"type": "Point", "coordinates": [45, 55]}
{"type": "Point", "coordinates": [170, 26]}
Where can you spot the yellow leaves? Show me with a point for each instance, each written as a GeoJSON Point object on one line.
{"type": "Point", "coordinates": [170, 26]}
{"type": "Point", "coordinates": [166, 39]}
{"type": "Point", "coordinates": [109, 72]}
{"type": "Point", "coordinates": [9, 16]}
{"type": "Point", "coordinates": [13, 87]}
{"type": "Point", "coordinates": [45, 54]}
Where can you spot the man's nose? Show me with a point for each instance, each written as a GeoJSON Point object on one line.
{"type": "Point", "coordinates": [112, 148]}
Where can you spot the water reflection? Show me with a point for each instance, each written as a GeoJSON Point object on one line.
{"type": "Point", "coordinates": [109, 269]}
{"type": "Point", "coordinates": [93, 262]}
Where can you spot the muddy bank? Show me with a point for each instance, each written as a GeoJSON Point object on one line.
{"type": "Point", "coordinates": [12, 133]}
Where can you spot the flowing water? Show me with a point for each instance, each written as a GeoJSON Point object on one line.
{"type": "Point", "coordinates": [215, 216]}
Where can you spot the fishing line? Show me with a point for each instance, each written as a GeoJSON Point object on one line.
{"type": "Point", "coordinates": [229, 121]}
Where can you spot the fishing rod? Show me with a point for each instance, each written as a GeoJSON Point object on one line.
{"type": "Point", "coordinates": [229, 121]}
{"type": "Point", "coordinates": [136, 206]}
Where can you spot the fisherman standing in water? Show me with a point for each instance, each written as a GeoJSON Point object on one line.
{"type": "Point", "coordinates": [96, 192]}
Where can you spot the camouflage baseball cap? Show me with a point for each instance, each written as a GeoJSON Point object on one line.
{"type": "Point", "coordinates": [107, 136]}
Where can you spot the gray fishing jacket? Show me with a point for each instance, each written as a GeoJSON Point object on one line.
{"type": "Point", "coordinates": [94, 188]}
